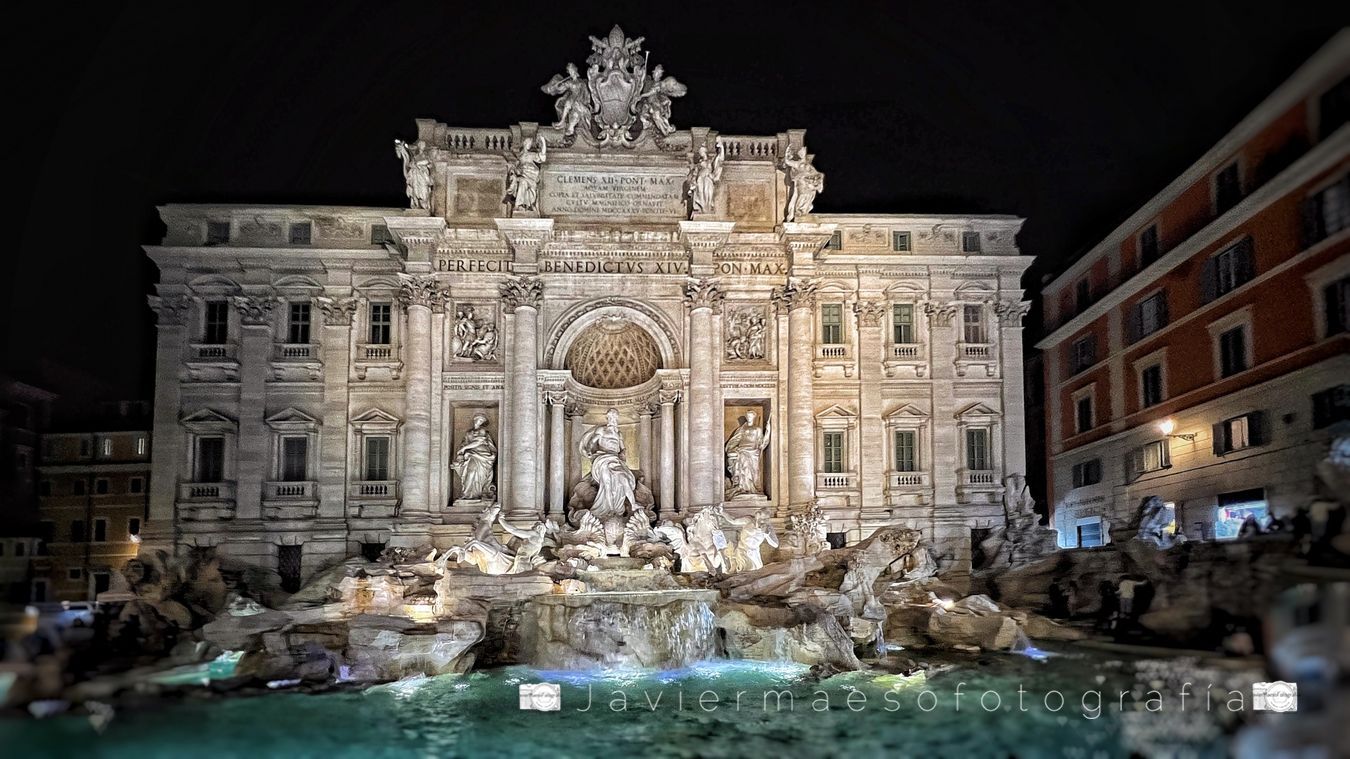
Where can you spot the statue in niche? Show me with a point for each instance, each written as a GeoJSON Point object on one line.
{"type": "Point", "coordinates": [522, 180]}
{"type": "Point", "coordinates": [754, 532]}
{"type": "Point", "coordinates": [744, 450]}
{"type": "Point", "coordinates": [654, 102]}
{"type": "Point", "coordinates": [416, 172]}
{"type": "Point", "coordinates": [804, 183]}
{"type": "Point", "coordinates": [615, 485]}
{"type": "Point", "coordinates": [474, 338]}
{"type": "Point", "coordinates": [574, 101]}
{"type": "Point", "coordinates": [704, 174]}
{"type": "Point", "coordinates": [474, 461]}
{"type": "Point", "coordinates": [745, 335]}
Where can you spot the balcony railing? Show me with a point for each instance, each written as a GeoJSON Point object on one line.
{"type": "Point", "coordinates": [375, 352]}
{"type": "Point", "coordinates": [281, 491]}
{"type": "Point", "coordinates": [206, 491]}
{"type": "Point", "coordinates": [979, 477]}
{"type": "Point", "coordinates": [832, 350]}
{"type": "Point", "coordinates": [907, 480]}
{"type": "Point", "coordinates": [906, 350]}
{"type": "Point", "coordinates": [214, 351]}
{"type": "Point", "coordinates": [294, 351]}
{"type": "Point", "coordinates": [975, 351]}
{"type": "Point", "coordinates": [374, 489]}
{"type": "Point", "coordinates": [835, 481]}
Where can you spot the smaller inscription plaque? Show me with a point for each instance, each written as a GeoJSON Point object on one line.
{"type": "Point", "coordinates": [580, 192]}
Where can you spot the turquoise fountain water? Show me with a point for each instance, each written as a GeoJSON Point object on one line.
{"type": "Point", "coordinates": [666, 713]}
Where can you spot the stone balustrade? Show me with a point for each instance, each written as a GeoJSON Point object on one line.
{"type": "Point", "coordinates": [214, 351]}
{"type": "Point", "coordinates": [836, 481]}
{"type": "Point", "coordinates": [280, 491]}
{"type": "Point", "coordinates": [206, 491]}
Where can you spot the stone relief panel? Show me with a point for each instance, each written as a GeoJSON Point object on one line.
{"type": "Point", "coordinates": [749, 201]}
{"type": "Point", "coordinates": [474, 333]}
{"type": "Point", "coordinates": [746, 333]}
{"type": "Point", "coordinates": [478, 197]}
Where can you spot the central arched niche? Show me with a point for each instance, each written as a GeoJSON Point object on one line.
{"type": "Point", "coordinates": [613, 353]}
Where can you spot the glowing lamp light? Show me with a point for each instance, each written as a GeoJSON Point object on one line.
{"type": "Point", "coordinates": [1167, 427]}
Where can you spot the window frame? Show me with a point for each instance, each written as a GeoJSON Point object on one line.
{"type": "Point", "coordinates": [218, 232]}
{"type": "Point", "coordinates": [839, 462]}
{"type": "Point", "coordinates": [896, 325]}
{"type": "Point", "coordinates": [303, 325]}
{"type": "Point", "coordinates": [981, 324]}
{"type": "Point", "coordinates": [216, 317]}
{"type": "Point", "coordinates": [387, 324]}
{"type": "Point", "coordinates": [1144, 259]}
{"type": "Point", "coordinates": [387, 466]}
{"type": "Point", "coordinates": [1216, 185]}
{"type": "Point", "coordinates": [1076, 398]}
{"type": "Point", "coordinates": [915, 463]}
{"type": "Point", "coordinates": [966, 237]}
{"type": "Point", "coordinates": [1220, 327]}
{"type": "Point", "coordinates": [986, 454]}
{"type": "Point", "coordinates": [826, 325]}
{"type": "Point", "coordinates": [307, 238]}
{"type": "Point", "coordinates": [1082, 354]}
{"type": "Point", "coordinates": [1081, 470]}
{"type": "Point", "coordinates": [902, 241]}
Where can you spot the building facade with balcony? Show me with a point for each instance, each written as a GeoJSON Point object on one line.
{"type": "Point", "coordinates": [1199, 352]}
{"type": "Point", "coordinates": [324, 373]}
{"type": "Point", "coordinates": [93, 493]}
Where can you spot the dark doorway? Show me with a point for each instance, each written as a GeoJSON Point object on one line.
{"type": "Point", "coordinates": [372, 551]}
{"type": "Point", "coordinates": [288, 566]}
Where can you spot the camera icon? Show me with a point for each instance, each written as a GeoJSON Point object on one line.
{"type": "Point", "coordinates": [540, 697]}
{"type": "Point", "coordinates": [1277, 696]}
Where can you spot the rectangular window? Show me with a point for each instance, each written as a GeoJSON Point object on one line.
{"type": "Point", "coordinates": [1083, 294]}
{"type": "Point", "coordinates": [301, 232]}
{"type": "Point", "coordinates": [1337, 305]}
{"type": "Point", "coordinates": [1090, 534]}
{"type": "Point", "coordinates": [1151, 385]}
{"type": "Point", "coordinates": [86, 447]}
{"type": "Point", "coordinates": [836, 241]}
{"type": "Point", "coordinates": [834, 452]}
{"type": "Point", "coordinates": [1232, 434]}
{"type": "Point", "coordinates": [1228, 270]}
{"type": "Point", "coordinates": [972, 320]}
{"type": "Point", "coordinates": [1148, 245]}
{"type": "Point", "coordinates": [136, 485]}
{"type": "Point", "coordinates": [1154, 456]}
{"type": "Point", "coordinates": [297, 327]}
{"type": "Point", "coordinates": [1327, 212]}
{"type": "Point", "coordinates": [831, 323]}
{"type": "Point", "coordinates": [77, 531]}
{"type": "Point", "coordinates": [1330, 406]}
{"type": "Point", "coordinates": [74, 573]}
{"type": "Point", "coordinates": [1083, 353]}
{"type": "Point", "coordinates": [133, 527]}
{"type": "Point", "coordinates": [1083, 414]}
{"type": "Point", "coordinates": [1150, 316]}
{"type": "Point", "coordinates": [377, 458]}
{"type": "Point", "coordinates": [1227, 188]}
{"type": "Point", "coordinates": [970, 242]}
{"type": "Point", "coordinates": [77, 487]}
{"type": "Point", "coordinates": [217, 323]}
{"type": "Point", "coordinates": [1087, 473]}
{"type": "Point", "coordinates": [288, 566]}
{"type": "Point", "coordinates": [101, 486]}
{"type": "Point", "coordinates": [900, 241]}
{"type": "Point", "coordinates": [381, 323]}
{"type": "Point", "coordinates": [977, 450]}
{"type": "Point", "coordinates": [101, 530]}
{"type": "Point", "coordinates": [105, 448]}
{"type": "Point", "coordinates": [294, 459]}
{"type": "Point", "coordinates": [217, 232]}
{"type": "Point", "coordinates": [141, 445]}
{"type": "Point", "coordinates": [902, 322]}
{"type": "Point", "coordinates": [906, 451]}
{"type": "Point", "coordinates": [1233, 351]}
{"type": "Point", "coordinates": [210, 460]}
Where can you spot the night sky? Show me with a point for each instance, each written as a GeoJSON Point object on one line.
{"type": "Point", "coordinates": [1069, 114]}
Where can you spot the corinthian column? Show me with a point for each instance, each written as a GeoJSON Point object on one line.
{"type": "Point", "coordinates": [521, 296]}
{"type": "Point", "coordinates": [167, 439]}
{"type": "Point", "coordinates": [557, 448]}
{"type": "Point", "coordinates": [705, 439]}
{"type": "Point", "coordinates": [798, 298]}
{"type": "Point", "coordinates": [255, 361]}
{"type": "Point", "coordinates": [419, 296]}
{"type": "Point", "coordinates": [1010, 315]}
{"type": "Point", "coordinates": [335, 348]}
{"type": "Point", "coordinates": [668, 474]}
{"type": "Point", "coordinates": [872, 462]}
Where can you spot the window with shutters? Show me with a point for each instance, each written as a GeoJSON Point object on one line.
{"type": "Point", "coordinates": [970, 242]}
{"type": "Point", "coordinates": [376, 458]}
{"type": "Point", "coordinates": [1083, 353]}
{"type": "Point", "coordinates": [833, 445]}
{"type": "Point", "coordinates": [1148, 245]}
{"type": "Point", "coordinates": [972, 324]}
{"type": "Point", "coordinates": [832, 323]}
{"type": "Point", "coordinates": [1091, 533]}
{"type": "Point", "coordinates": [1239, 432]}
{"type": "Point", "coordinates": [1336, 306]}
{"type": "Point", "coordinates": [1232, 268]}
{"type": "Point", "coordinates": [1150, 315]}
{"type": "Point", "coordinates": [1083, 418]}
{"type": "Point", "coordinates": [1232, 351]}
{"type": "Point", "coordinates": [297, 327]}
{"type": "Point", "coordinates": [209, 459]}
{"type": "Point", "coordinates": [977, 450]}
{"type": "Point", "coordinates": [1087, 473]}
{"type": "Point", "coordinates": [902, 323]}
{"type": "Point", "coordinates": [1151, 385]}
{"type": "Point", "coordinates": [906, 451]}
{"type": "Point", "coordinates": [294, 459]}
{"type": "Point", "coordinates": [1330, 406]}
{"type": "Point", "coordinates": [1227, 188]}
{"type": "Point", "coordinates": [1153, 456]}
{"type": "Point", "coordinates": [900, 241]}
{"type": "Point", "coordinates": [1326, 212]}
{"type": "Point", "coordinates": [1083, 294]}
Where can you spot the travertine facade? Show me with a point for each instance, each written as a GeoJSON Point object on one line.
{"type": "Point", "coordinates": [336, 359]}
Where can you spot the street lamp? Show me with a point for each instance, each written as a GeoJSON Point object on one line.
{"type": "Point", "coordinates": [1167, 427]}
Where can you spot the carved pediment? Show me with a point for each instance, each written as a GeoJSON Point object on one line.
{"type": "Point", "coordinates": [292, 419]}
{"type": "Point", "coordinates": [907, 413]}
{"type": "Point", "coordinates": [978, 410]}
{"type": "Point", "coordinates": [376, 418]}
{"type": "Point", "coordinates": [209, 420]}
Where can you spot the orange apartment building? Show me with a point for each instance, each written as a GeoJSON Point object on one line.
{"type": "Point", "coordinates": [1199, 352]}
{"type": "Point", "coordinates": [93, 499]}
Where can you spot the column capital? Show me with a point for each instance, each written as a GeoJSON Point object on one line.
{"type": "Point", "coordinates": [797, 293]}
{"type": "Point", "coordinates": [170, 310]}
{"type": "Point", "coordinates": [870, 313]}
{"type": "Point", "coordinates": [649, 409]}
{"type": "Point", "coordinates": [255, 310]}
{"type": "Point", "coordinates": [1011, 312]}
{"type": "Point", "coordinates": [668, 397]}
{"type": "Point", "coordinates": [556, 398]}
{"type": "Point", "coordinates": [703, 293]}
{"type": "Point", "coordinates": [940, 314]}
{"type": "Point", "coordinates": [422, 291]}
{"type": "Point", "coordinates": [337, 312]}
{"type": "Point", "coordinates": [522, 292]}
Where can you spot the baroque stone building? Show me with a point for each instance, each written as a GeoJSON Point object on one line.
{"type": "Point", "coordinates": [337, 379]}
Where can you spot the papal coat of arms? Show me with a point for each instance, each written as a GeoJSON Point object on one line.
{"type": "Point", "coordinates": [619, 100]}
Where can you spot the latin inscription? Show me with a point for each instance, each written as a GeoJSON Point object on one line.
{"type": "Point", "coordinates": [594, 193]}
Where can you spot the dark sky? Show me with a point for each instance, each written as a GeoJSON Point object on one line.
{"type": "Point", "coordinates": [1071, 114]}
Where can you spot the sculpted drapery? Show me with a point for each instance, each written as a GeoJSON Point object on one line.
{"type": "Point", "coordinates": [474, 460]}
{"type": "Point", "coordinates": [614, 482]}
{"type": "Point", "coordinates": [744, 450]}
